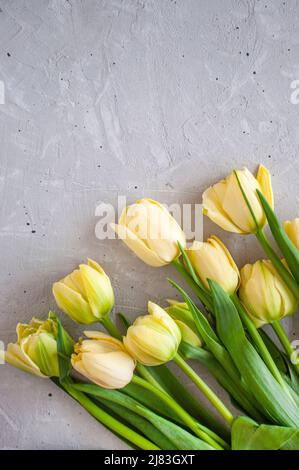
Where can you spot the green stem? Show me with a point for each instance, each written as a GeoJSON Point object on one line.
{"type": "Point", "coordinates": [282, 336]}
{"type": "Point", "coordinates": [111, 328]}
{"type": "Point", "coordinates": [257, 339]}
{"type": "Point", "coordinates": [181, 413]}
{"type": "Point", "coordinates": [279, 266]}
{"type": "Point", "coordinates": [201, 294]}
{"type": "Point", "coordinates": [204, 388]}
{"type": "Point", "coordinates": [111, 423]}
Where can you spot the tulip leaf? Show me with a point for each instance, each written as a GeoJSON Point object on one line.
{"type": "Point", "coordinates": [289, 250]}
{"type": "Point", "coordinates": [275, 352]}
{"type": "Point", "coordinates": [179, 437]}
{"type": "Point", "coordinates": [269, 394]}
{"type": "Point", "coordinates": [65, 346]}
{"type": "Point", "coordinates": [248, 435]}
{"type": "Point", "coordinates": [139, 423]}
{"type": "Point", "coordinates": [238, 393]}
{"type": "Point", "coordinates": [206, 332]}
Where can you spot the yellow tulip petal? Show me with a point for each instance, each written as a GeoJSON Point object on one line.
{"type": "Point", "coordinates": [137, 246]}
{"type": "Point", "coordinates": [17, 358]}
{"type": "Point", "coordinates": [213, 209]}
{"type": "Point", "coordinates": [72, 303]}
{"type": "Point", "coordinates": [98, 291]}
{"type": "Point", "coordinates": [264, 179]}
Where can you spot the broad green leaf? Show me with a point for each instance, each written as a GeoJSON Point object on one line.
{"type": "Point", "coordinates": [248, 435]}
{"type": "Point", "coordinates": [65, 346]}
{"type": "Point", "coordinates": [177, 435]}
{"type": "Point", "coordinates": [139, 423]}
{"type": "Point", "coordinates": [270, 396]}
{"type": "Point", "coordinates": [241, 398]}
{"type": "Point", "coordinates": [206, 332]}
{"type": "Point", "coordinates": [289, 250]}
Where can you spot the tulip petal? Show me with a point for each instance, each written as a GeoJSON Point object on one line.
{"type": "Point", "coordinates": [264, 179]}
{"type": "Point", "coordinates": [73, 303]}
{"type": "Point", "coordinates": [213, 209]}
{"type": "Point", "coordinates": [98, 291]}
{"type": "Point", "coordinates": [17, 358]}
{"type": "Point", "coordinates": [137, 246]}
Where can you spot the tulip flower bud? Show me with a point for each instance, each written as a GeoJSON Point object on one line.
{"type": "Point", "coordinates": [150, 231]}
{"type": "Point", "coordinates": [103, 360]}
{"type": "Point", "coordinates": [36, 348]}
{"type": "Point", "coordinates": [212, 260]}
{"type": "Point", "coordinates": [264, 294]}
{"type": "Point", "coordinates": [188, 335]}
{"type": "Point", "coordinates": [292, 231]}
{"type": "Point", "coordinates": [86, 295]}
{"type": "Point", "coordinates": [153, 339]}
{"type": "Point", "coordinates": [224, 203]}
{"type": "Point", "coordinates": [179, 311]}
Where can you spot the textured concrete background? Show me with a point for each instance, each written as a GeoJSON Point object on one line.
{"type": "Point", "coordinates": [105, 98]}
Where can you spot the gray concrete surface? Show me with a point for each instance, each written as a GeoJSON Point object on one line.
{"type": "Point", "coordinates": [137, 97]}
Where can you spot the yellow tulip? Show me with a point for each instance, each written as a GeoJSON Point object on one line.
{"type": "Point", "coordinates": [264, 294]}
{"type": "Point", "coordinates": [188, 335]}
{"type": "Point", "coordinates": [292, 230]}
{"type": "Point", "coordinates": [212, 260]}
{"type": "Point", "coordinates": [180, 311]}
{"type": "Point", "coordinates": [150, 231]}
{"type": "Point", "coordinates": [86, 295]}
{"type": "Point", "coordinates": [153, 339]}
{"type": "Point", "coordinates": [225, 204]}
{"type": "Point", "coordinates": [36, 348]}
{"type": "Point", "coordinates": [103, 360]}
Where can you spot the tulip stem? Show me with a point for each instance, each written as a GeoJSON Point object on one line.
{"type": "Point", "coordinates": [204, 388]}
{"type": "Point", "coordinates": [258, 341]}
{"type": "Point", "coordinates": [111, 423]}
{"type": "Point", "coordinates": [111, 328]}
{"type": "Point", "coordinates": [279, 266]}
{"type": "Point", "coordinates": [203, 296]}
{"type": "Point", "coordinates": [282, 336]}
{"type": "Point", "coordinates": [201, 431]}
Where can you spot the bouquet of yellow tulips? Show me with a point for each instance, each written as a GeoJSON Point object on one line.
{"type": "Point", "coordinates": [122, 377]}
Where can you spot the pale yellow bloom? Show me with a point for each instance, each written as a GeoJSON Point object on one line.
{"type": "Point", "coordinates": [153, 339]}
{"type": "Point", "coordinates": [212, 260]}
{"type": "Point", "coordinates": [188, 335]}
{"type": "Point", "coordinates": [224, 202]}
{"type": "Point", "coordinates": [150, 231]}
{"type": "Point", "coordinates": [264, 294]}
{"type": "Point", "coordinates": [36, 348]}
{"type": "Point", "coordinates": [103, 360]}
{"type": "Point", "coordinates": [292, 229]}
{"type": "Point", "coordinates": [86, 295]}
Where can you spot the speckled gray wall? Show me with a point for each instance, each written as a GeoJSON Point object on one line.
{"type": "Point", "coordinates": [104, 98]}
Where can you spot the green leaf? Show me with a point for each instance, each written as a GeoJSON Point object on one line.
{"type": "Point", "coordinates": [65, 347]}
{"type": "Point", "coordinates": [179, 437]}
{"type": "Point", "coordinates": [277, 355]}
{"type": "Point", "coordinates": [248, 435]}
{"type": "Point", "coordinates": [240, 396]}
{"type": "Point", "coordinates": [206, 332]}
{"type": "Point", "coordinates": [270, 396]}
{"type": "Point", "coordinates": [289, 250]}
{"type": "Point", "coordinates": [140, 424]}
